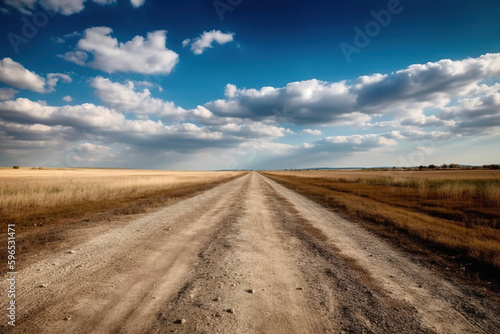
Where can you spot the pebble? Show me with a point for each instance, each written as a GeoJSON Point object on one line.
{"type": "Point", "coordinates": [180, 321]}
{"type": "Point", "coordinates": [250, 290]}
{"type": "Point", "coordinates": [67, 318]}
{"type": "Point", "coordinates": [230, 310]}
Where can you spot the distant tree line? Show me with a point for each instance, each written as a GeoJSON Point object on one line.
{"type": "Point", "coordinates": [441, 167]}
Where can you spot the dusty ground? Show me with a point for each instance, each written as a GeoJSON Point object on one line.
{"type": "Point", "coordinates": [249, 256]}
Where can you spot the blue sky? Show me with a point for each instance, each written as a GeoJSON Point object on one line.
{"type": "Point", "coordinates": [248, 84]}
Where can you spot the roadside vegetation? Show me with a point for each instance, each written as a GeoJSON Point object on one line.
{"type": "Point", "coordinates": [453, 216]}
{"type": "Point", "coordinates": [30, 196]}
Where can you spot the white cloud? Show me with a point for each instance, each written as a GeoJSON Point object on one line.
{"type": "Point", "coordinates": [205, 41]}
{"type": "Point", "coordinates": [92, 148]}
{"type": "Point", "coordinates": [125, 98]}
{"type": "Point", "coordinates": [24, 6]}
{"type": "Point", "coordinates": [14, 74]}
{"type": "Point", "coordinates": [7, 93]}
{"type": "Point", "coordinates": [404, 95]}
{"type": "Point", "coordinates": [475, 115]}
{"type": "Point", "coordinates": [137, 3]}
{"type": "Point", "coordinates": [64, 7]}
{"type": "Point", "coordinates": [65, 37]}
{"type": "Point", "coordinates": [140, 55]}
{"type": "Point", "coordinates": [77, 57]}
{"type": "Point", "coordinates": [67, 98]}
{"type": "Point", "coordinates": [54, 78]}
{"type": "Point", "coordinates": [313, 132]}
{"type": "Point", "coordinates": [436, 102]}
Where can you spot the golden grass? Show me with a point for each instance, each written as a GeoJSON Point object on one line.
{"type": "Point", "coordinates": [353, 174]}
{"type": "Point", "coordinates": [31, 195]}
{"type": "Point", "coordinates": [455, 214]}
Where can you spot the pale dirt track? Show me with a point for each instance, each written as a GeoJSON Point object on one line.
{"type": "Point", "coordinates": [249, 256]}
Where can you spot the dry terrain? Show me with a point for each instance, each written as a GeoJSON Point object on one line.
{"type": "Point", "coordinates": [451, 217]}
{"type": "Point", "coordinates": [51, 206]}
{"type": "Point", "coordinates": [246, 256]}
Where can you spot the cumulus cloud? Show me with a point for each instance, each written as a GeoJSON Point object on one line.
{"type": "Point", "coordinates": [54, 78]}
{"type": "Point", "coordinates": [305, 102]}
{"type": "Point", "coordinates": [206, 40]}
{"type": "Point", "coordinates": [125, 98]}
{"type": "Point", "coordinates": [64, 7]}
{"type": "Point", "coordinates": [14, 74]}
{"type": "Point", "coordinates": [90, 148]}
{"type": "Point", "coordinates": [404, 94]}
{"type": "Point", "coordinates": [62, 39]}
{"type": "Point", "coordinates": [67, 98]}
{"type": "Point", "coordinates": [434, 102]}
{"type": "Point", "coordinates": [475, 115]}
{"type": "Point", "coordinates": [77, 57]}
{"type": "Point", "coordinates": [24, 6]}
{"type": "Point", "coordinates": [350, 143]}
{"type": "Point", "coordinates": [116, 128]}
{"type": "Point", "coordinates": [140, 55]}
{"type": "Point", "coordinates": [313, 132]}
{"type": "Point", "coordinates": [137, 3]}
{"type": "Point", "coordinates": [7, 93]}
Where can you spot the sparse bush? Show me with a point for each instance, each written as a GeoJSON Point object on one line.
{"type": "Point", "coordinates": [16, 167]}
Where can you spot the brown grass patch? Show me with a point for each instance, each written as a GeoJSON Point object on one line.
{"type": "Point", "coordinates": [455, 219]}
{"type": "Point", "coordinates": [45, 203]}
{"type": "Point", "coordinates": [42, 196]}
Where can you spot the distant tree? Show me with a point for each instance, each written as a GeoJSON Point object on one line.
{"type": "Point", "coordinates": [492, 166]}
{"type": "Point", "coordinates": [444, 166]}
{"type": "Point", "coordinates": [454, 166]}
{"type": "Point", "coordinates": [421, 167]}
{"type": "Point", "coordinates": [16, 167]}
{"type": "Point", "coordinates": [432, 166]}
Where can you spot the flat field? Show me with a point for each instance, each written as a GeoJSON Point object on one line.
{"type": "Point", "coordinates": [452, 215]}
{"type": "Point", "coordinates": [29, 196]}
{"type": "Point", "coordinates": [246, 256]}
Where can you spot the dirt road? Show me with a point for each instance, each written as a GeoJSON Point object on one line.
{"type": "Point", "coordinates": [249, 256]}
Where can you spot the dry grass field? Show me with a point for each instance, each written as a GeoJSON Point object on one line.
{"type": "Point", "coordinates": [246, 256]}
{"type": "Point", "coordinates": [33, 196]}
{"type": "Point", "coordinates": [453, 214]}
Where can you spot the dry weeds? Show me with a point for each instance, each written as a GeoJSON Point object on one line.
{"type": "Point", "coordinates": [457, 217]}
{"type": "Point", "coordinates": [28, 196]}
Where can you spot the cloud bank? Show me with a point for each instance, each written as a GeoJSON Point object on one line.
{"type": "Point", "coordinates": [435, 102]}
